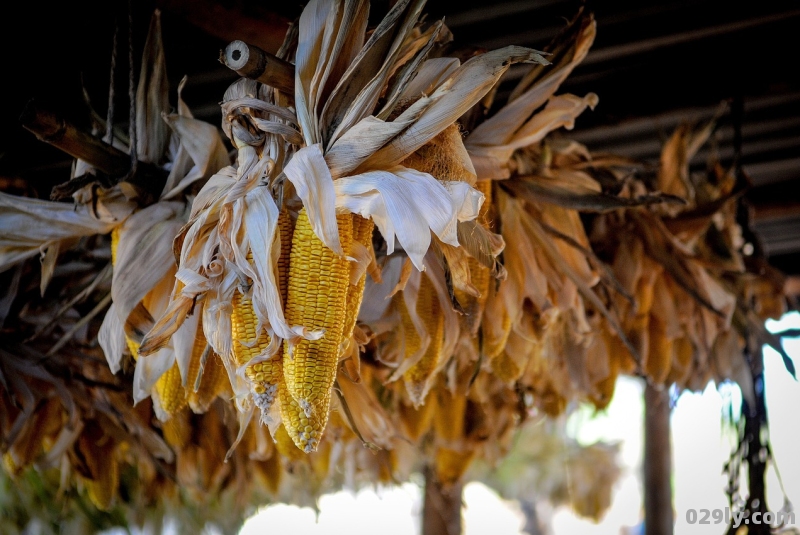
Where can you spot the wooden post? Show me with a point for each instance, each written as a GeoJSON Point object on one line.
{"type": "Point", "coordinates": [441, 511]}
{"type": "Point", "coordinates": [658, 514]}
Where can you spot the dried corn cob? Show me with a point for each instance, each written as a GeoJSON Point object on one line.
{"type": "Point", "coordinates": [417, 378]}
{"type": "Point", "coordinates": [494, 342]}
{"type": "Point", "coordinates": [98, 452]}
{"type": "Point", "coordinates": [294, 419]}
{"type": "Point", "coordinates": [169, 396]}
{"type": "Point", "coordinates": [178, 430]}
{"type": "Point", "coordinates": [362, 233]}
{"type": "Point", "coordinates": [604, 390]}
{"type": "Point", "coordinates": [285, 231]}
{"type": "Point", "coordinates": [133, 346]}
{"type": "Point", "coordinates": [417, 421]}
{"type": "Point", "coordinates": [681, 367]}
{"type": "Point", "coordinates": [479, 274]}
{"type": "Point", "coordinates": [210, 375]}
{"type": "Point", "coordinates": [247, 344]}
{"type": "Point", "coordinates": [316, 300]}
{"type": "Point", "coordinates": [46, 421]}
{"type": "Point", "coordinates": [450, 413]}
{"type": "Point", "coordinates": [505, 367]}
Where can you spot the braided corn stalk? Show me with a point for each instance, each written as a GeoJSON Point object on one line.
{"type": "Point", "coordinates": [316, 300]}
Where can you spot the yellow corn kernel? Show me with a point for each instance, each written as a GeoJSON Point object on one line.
{"type": "Point", "coordinates": [169, 396]}
{"type": "Point", "coordinates": [293, 418]}
{"type": "Point", "coordinates": [114, 244]}
{"type": "Point", "coordinates": [98, 451]}
{"type": "Point", "coordinates": [418, 377]}
{"type": "Point", "coordinates": [316, 300]}
{"type": "Point", "coordinates": [212, 378]}
{"type": "Point", "coordinates": [247, 345]}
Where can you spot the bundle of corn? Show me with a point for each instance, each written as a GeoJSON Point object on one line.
{"type": "Point", "coordinates": [416, 341]}
{"type": "Point", "coordinates": [334, 167]}
{"type": "Point", "coordinates": [540, 329]}
{"type": "Point", "coordinates": [69, 406]}
{"type": "Point", "coordinates": [697, 303]}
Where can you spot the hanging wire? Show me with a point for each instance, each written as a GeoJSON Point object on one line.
{"type": "Point", "coordinates": [131, 92]}
{"type": "Point", "coordinates": [109, 137]}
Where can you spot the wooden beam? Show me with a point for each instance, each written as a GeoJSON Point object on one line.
{"type": "Point", "coordinates": [252, 62]}
{"type": "Point", "coordinates": [259, 26]}
{"type": "Point", "coordinates": [55, 130]}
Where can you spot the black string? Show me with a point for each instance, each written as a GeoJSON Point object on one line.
{"type": "Point", "coordinates": [110, 115]}
{"type": "Point", "coordinates": [131, 92]}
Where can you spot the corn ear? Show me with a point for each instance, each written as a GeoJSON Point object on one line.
{"type": "Point", "coordinates": [178, 430]}
{"type": "Point", "coordinates": [417, 420]}
{"type": "Point", "coordinates": [604, 390]}
{"type": "Point", "coordinates": [479, 274]}
{"type": "Point", "coordinates": [450, 413]}
{"type": "Point", "coordinates": [169, 396]}
{"type": "Point", "coordinates": [98, 451]}
{"type": "Point", "coordinates": [362, 233]}
{"type": "Point", "coordinates": [505, 368]}
{"type": "Point", "coordinates": [206, 380]}
{"type": "Point", "coordinates": [285, 231]}
{"type": "Point", "coordinates": [133, 346]}
{"type": "Point", "coordinates": [247, 345]}
{"type": "Point", "coordinates": [418, 377]}
{"type": "Point", "coordinates": [317, 300]}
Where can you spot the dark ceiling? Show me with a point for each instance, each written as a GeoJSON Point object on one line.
{"type": "Point", "coordinates": [653, 65]}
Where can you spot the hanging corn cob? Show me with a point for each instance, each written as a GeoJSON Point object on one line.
{"type": "Point", "coordinates": [316, 299]}
{"type": "Point", "coordinates": [419, 376]}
